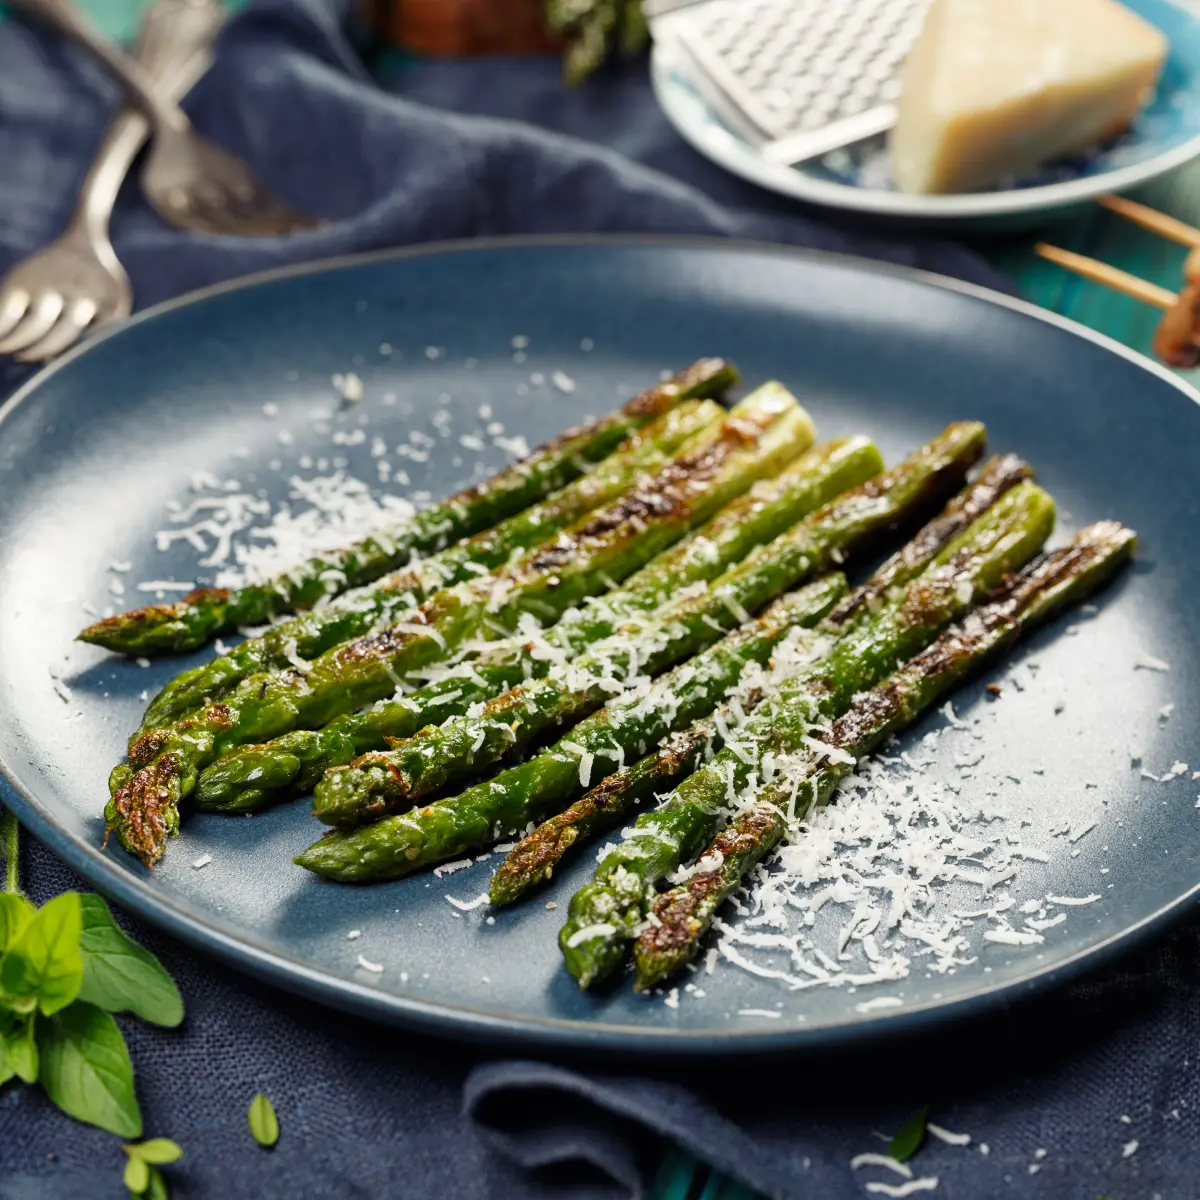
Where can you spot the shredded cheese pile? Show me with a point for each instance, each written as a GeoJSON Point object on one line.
{"type": "Point", "coordinates": [861, 876]}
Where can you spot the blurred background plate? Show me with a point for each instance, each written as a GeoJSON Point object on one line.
{"type": "Point", "coordinates": [230, 392]}
{"type": "Point", "coordinates": [1166, 136]}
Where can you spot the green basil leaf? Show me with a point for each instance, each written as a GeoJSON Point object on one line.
{"type": "Point", "coordinates": [158, 1187]}
{"type": "Point", "coordinates": [264, 1124]}
{"type": "Point", "coordinates": [7, 1070]}
{"type": "Point", "coordinates": [86, 1069]}
{"type": "Point", "coordinates": [908, 1141]}
{"type": "Point", "coordinates": [44, 962]}
{"type": "Point", "coordinates": [15, 913]}
{"type": "Point", "coordinates": [137, 1175]}
{"type": "Point", "coordinates": [19, 1047]}
{"type": "Point", "coordinates": [156, 1150]}
{"type": "Point", "coordinates": [121, 976]}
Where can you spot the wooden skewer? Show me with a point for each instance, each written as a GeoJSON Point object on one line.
{"type": "Point", "coordinates": [1118, 280]}
{"type": "Point", "coordinates": [1151, 219]}
{"type": "Point", "coordinates": [1177, 338]}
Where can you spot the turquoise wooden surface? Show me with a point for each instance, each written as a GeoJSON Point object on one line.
{"type": "Point", "coordinates": [1094, 232]}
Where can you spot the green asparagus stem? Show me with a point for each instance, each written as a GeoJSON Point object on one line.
{"type": "Point", "coordinates": [681, 916]}
{"type": "Point", "coordinates": [1000, 473]}
{"type": "Point", "coordinates": [762, 433]}
{"type": "Point", "coordinates": [606, 914]}
{"type": "Point", "coordinates": [438, 757]}
{"type": "Point", "coordinates": [208, 612]}
{"type": "Point", "coordinates": [312, 633]}
{"type": "Point", "coordinates": [399, 845]}
{"type": "Point", "coordinates": [766, 512]}
{"type": "Point", "coordinates": [251, 777]}
{"type": "Point", "coordinates": [532, 861]}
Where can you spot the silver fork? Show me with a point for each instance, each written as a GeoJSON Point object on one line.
{"type": "Point", "coordinates": [189, 181]}
{"type": "Point", "coordinates": [47, 301]}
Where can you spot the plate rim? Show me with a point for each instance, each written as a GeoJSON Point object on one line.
{"type": "Point", "coordinates": [133, 889]}
{"type": "Point", "coordinates": [725, 148]}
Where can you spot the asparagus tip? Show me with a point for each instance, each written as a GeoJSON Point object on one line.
{"type": "Point", "coordinates": [143, 811]}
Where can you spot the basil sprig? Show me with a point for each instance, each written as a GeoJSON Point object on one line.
{"type": "Point", "coordinates": [142, 1176]}
{"type": "Point", "coordinates": [64, 968]}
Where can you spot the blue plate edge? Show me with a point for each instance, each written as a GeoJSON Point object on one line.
{"type": "Point", "coordinates": [480, 1025]}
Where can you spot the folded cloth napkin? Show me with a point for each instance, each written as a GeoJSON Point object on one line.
{"type": "Point", "coordinates": [288, 94]}
{"type": "Point", "coordinates": [1100, 1077]}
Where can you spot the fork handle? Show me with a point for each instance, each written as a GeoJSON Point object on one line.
{"type": "Point", "coordinates": [138, 84]}
{"type": "Point", "coordinates": [175, 49]}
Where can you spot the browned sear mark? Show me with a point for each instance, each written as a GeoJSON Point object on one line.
{"type": "Point", "coordinates": [675, 910]}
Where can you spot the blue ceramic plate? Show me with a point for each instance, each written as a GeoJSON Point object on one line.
{"type": "Point", "coordinates": [1164, 137]}
{"type": "Point", "coordinates": [169, 408]}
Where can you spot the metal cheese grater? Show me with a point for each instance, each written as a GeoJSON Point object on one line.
{"type": "Point", "coordinates": [797, 78]}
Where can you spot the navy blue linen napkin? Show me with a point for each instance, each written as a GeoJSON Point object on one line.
{"type": "Point", "coordinates": [289, 94]}
{"type": "Point", "coordinates": [373, 1112]}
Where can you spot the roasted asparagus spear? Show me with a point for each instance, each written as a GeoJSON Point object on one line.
{"type": "Point", "coordinates": [762, 433]}
{"type": "Point", "coordinates": [474, 819]}
{"type": "Point", "coordinates": [605, 915]}
{"type": "Point", "coordinates": [305, 636]}
{"type": "Point", "coordinates": [439, 756]}
{"type": "Point", "coordinates": [534, 858]}
{"type": "Point", "coordinates": [208, 612]}
{"type": "Point", "coordinates": [681, 916]}
{"type": "Point", "coordinates": [532, 861]}
{"type": "Point", "coordinates": [251, 776]}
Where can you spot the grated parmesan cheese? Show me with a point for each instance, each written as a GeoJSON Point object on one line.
{"type": "Point", "coordinates": [450, 867]}
{"type": "Point", "coordinates": [587, 932]}
{"type": "Point", "coordinates": [944, 1135]}
{"type": "Point", "coordinates": [900, 1190]}
{"type": "Point", "coordinates": [1147, 662]}
{"type": "Point", "coordinates": [881, 1160]}
{"type": "Point", "coordinates": [867, 1006]}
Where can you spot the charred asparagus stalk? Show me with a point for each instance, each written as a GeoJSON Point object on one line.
{"type": "Point", "coordinates": [399, 845]}
{"type": "Point", "coordinates": [252, 776]}
{"type": "Point", "coordinates": [606, 914]}
{"type": "Point", "coordinates": [534, 858]}
{"type": "Point", "coordinates": [761, 434]}
{"type": "Point", "coordinates": [208, 612]}
{"type": "Point", "coordinates": [681, 916]}
{"type": "Point", "coordinates": [439, 756]}
{"type": "Point", "coordinates": [644, 451]}
{"type": "Point", "coordinates": [532, 861]}
{"type": "Point", "coordinates": [1000, 473]}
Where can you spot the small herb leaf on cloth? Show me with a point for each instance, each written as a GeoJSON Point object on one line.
{"type": "Point", "coordinates": [86, 1069]}
{"type": "Point", "coordinates": [18, 1048]}
{"type": "Point", "coordinates": [142, 1177]}
{"type": "Point", "coordinates": [121, 976]}
{"type": "Point", "coordinates": [158, 1151]}
{"type": "Point", "coordinates": [137, 1174]}
{"type": "Point", "coordinates": [42, 967]}
{"type": "Point", "coordinates": [908, 1141]}
{"type": "Point", "coordinates": [264, 1125]}
{"type": "Point", "coordinates": [158, 1186]}
{"type": "Point", "coordinates": [15, 913]}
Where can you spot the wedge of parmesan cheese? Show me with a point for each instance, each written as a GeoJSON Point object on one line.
{"type": "Point", "coordinates": [995, 88]}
